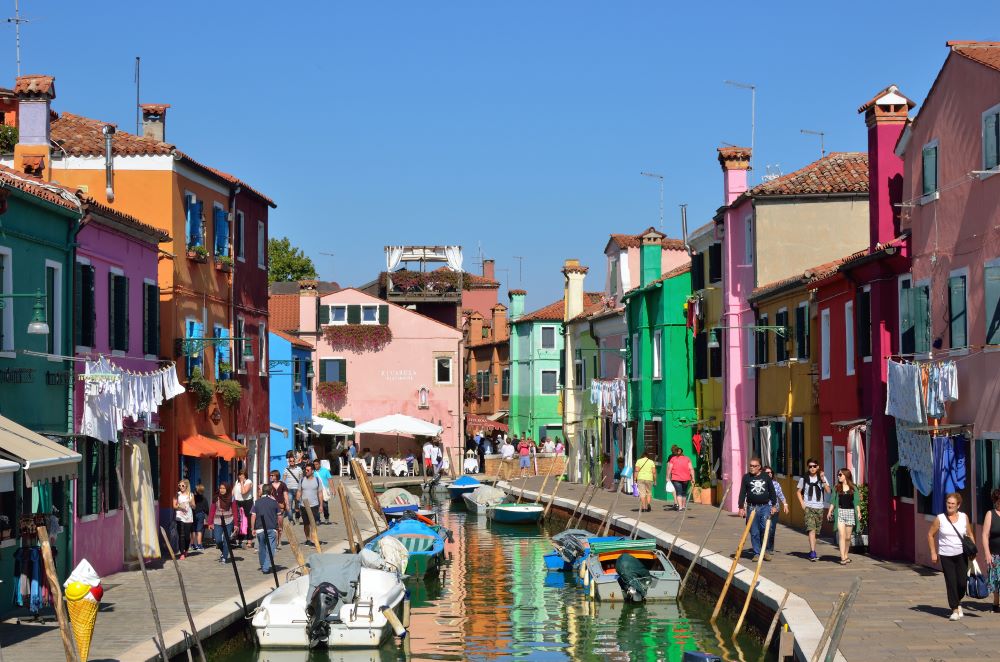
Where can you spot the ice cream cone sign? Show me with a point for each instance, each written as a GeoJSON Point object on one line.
{"type": "Point", "coordinates": [83, 593]}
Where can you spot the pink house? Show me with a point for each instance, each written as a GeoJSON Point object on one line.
{"type": "Point", "coordinates": [374, 358]}
{"type": "Point", "coordinates": [951, 205]}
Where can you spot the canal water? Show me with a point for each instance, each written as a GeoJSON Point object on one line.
{"type": "Point", "coordinates": [494, 599]}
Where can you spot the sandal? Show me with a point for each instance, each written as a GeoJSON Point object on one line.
{"type": "Point", "coordinates": [843, 561]}
{"type": "Point", "coordinates": [848, 560]}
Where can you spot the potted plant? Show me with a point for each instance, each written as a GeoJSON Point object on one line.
{"type": "Point", "coordinates": [202, 389]}
{"type": "Point", "coordinates": [197, 253]}
{"type": "Point", "coordinates": [230, 390]}
{"type": "Point", "coordinates": [861, 531]}
{"type": "Point", "coordinates": [703, 492]}
{"type": "Point", "coordinates": [225, 369]}
{"type": "Point", "coordinates": [223, 263]}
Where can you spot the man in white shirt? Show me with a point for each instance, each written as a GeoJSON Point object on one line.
{"type": "Point", "coordinates": [507, 450]}
{"type": "Point", "coordinates": [436, 459]}
{"type": "Point", "coordinates": [428, 458]}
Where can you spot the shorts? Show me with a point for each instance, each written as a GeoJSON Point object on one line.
{"type": "Point", "coordinates": [846, 516]}
{"type": "Point", "coordinates": [199, 521]}
{"type": "Point", "coordinates": [681, 487]}
{"type": "Point", "coordinates": [645, 488]}
{"type": "Point", "coordinates": [525, 461]}
{"type": "Point", "coordinates": [814, 519]}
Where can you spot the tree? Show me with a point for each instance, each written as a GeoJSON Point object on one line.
{"type": "Point", "coordinates": [287, 263]}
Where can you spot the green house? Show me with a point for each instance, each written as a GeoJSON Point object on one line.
{"type": "Point", "coordinates": [536, 368]}
{"type": "Point", "coordinates": [660, 358]}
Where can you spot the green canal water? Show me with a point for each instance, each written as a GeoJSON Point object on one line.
{"type": "Point", "coordinates": [494, 599]}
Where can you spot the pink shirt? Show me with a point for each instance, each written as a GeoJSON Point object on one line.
{"type": "Point", "coordinates": [680, 468]}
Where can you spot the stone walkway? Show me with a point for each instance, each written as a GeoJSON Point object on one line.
{"type": "Point", "coordinates": [901, 611]}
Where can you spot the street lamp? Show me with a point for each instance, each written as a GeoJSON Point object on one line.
{"type": "Point", "coordinates": [38, 325]}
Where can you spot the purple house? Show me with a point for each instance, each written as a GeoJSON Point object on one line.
{"type": "Point", "coordinates": [116, 303]}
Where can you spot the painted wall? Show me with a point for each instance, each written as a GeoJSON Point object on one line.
{"type": "Point", "coordinates": [579, 413]}
{"type": "Point", "coordinates": [288, 406]}
{"type": "Point", "coordinates": [535, 413]}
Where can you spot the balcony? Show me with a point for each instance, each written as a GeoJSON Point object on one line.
{"type": "Point", "coordinates": [403, 285]}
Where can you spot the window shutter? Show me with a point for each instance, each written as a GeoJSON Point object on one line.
{"type": "Point", "coordinates": [325, 366]}
{"type": "Point", "coordinates": [864, 317]}
{"type": "Point", "coordinates": [991, 141]}
{"type": "Point", "coordinates": [77, 303]}
{"type": "Point", "coordinates": [217, 333]}
{"type": "Point", "coordinates": [956, 301]}
{"type": "Point", "coordinates": [197, 331]}
{"type": "Point", "coordinates": [383, 314]}
{"type": "Point", "coordinates": [221, 230]}
{"type": "Point", "coordinates": [921, 321]}
{"type": "Point", "coordinates": [701, 356]}
{"type": "Point", "coordinates": [992, 278]}
{"type": "Point", "coordinates": [354, 314]}
{"type": "Point", "coordinates": [930, 169]}
{"type": "Point", "coordinates": [112, 309]}
{"type": "Point", "coordinates": [90, 306]}
{"type": "Point", "coordinates": [145, 318]}
{"type": "Point", "coordinates": [152, 331]}
{"type": "Point", "coordinates": [124, 315]}
{"type": "Point", "coordinates": [324, 315]}
{"type": "Point", "coordinates": [342, 363]}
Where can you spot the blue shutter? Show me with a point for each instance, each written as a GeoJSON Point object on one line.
{"type": "Point", "coordinates": [188, 203]}
{"type": "Point", "coordinates": [195, 236]}
{"type": "Point", "coordinates": [197, 331]}
{"type": "Point", "coordinates": [221, 227]}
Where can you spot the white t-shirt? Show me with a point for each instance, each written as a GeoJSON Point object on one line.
{"type": "Point", "coordinates": [184, 512]}
{"type": "Point", "coordinates": [815, 495]}
{"type": "Point", "coordinates": [240, 494]}
{"type": "Point", "coordinates": [949, 541]}
{"type": "Point", "coordinates": [507, 451]}
{"type": "Point", "coordinates": [428, 451]}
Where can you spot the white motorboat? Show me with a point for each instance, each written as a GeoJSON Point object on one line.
{"type": "Point", "coordinates": [345, 601]}
{"type": "Point", "coordinates": [482, 498]}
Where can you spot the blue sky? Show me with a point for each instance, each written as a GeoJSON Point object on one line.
{"type": "Point", "coordinates": [518, 126]}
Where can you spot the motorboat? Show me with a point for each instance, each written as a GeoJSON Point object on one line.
{"type": "Point", "coordinates": [630, 571]}
{"type": "Point", "coordinates": [570, 547]}
{"type": "Point", "coordinates": [515, 513]}
{"type": "Point", "coordinates": [462, 485]}
{"type": "Point", "coordinates": [482, 498]}
{"type": "Point", "coordinates": [395, 501]}
{"type": "Point", "coordinates": [424, 544]}
{"type": "Point", "coordinates": [345, 601]}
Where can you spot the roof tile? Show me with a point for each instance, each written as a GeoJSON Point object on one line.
{"type": "Point", "coordinates": [634, 241]}
{"type": "Point", "coordinates": [837, 172]}
{"type": "Point", "coordinates": [35, 86]}
{"type": "Point", "coordinates": [554, 311]}
{"type": "Point", "coordinates": [986, 53]}
{"type": "Point", "coordinates": [56, 194]}
{"type": "Point", "coordinates": [283, 312]}
{"type": "Point", "coordinates": [296, 342]}
{"type": "Point", "coordinates": [82, 136]}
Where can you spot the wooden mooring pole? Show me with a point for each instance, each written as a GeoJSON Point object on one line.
{"type": "Point", "coordinates": [704, 542]}
{"type": "Point", "coordinates": [753, 583]}
{"type": "Point", "coordinates": [841, 622]}
{"type": "Point", "coordinates": [184, 597]}
{"type": "Point", "coordinates": [732, 568]}
{"type": "Point", "coordinates": [774, 622]}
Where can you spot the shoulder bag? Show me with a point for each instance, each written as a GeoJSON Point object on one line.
{"type": "Point", "coordinates": [968, 545]}
{"type": "Point", "coordinates": [977, 587]}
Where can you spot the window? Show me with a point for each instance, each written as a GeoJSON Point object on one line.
{"type": "Point", "coordinates": [748, 240]}
{"type": "Point", "coordinates": [309, 374]}
{"type": "Point", "coordinates": [194, 232]}
{"type": "Point", "coordinates": [849, 337]}
{"type": "Point", "coordinates": [338, 314]}
{"type": "Point", "coordinates": [636, 364]}
{"type": "Point", "coordinates": [781, 342]}
{"type": "Point", "coordinates": [701, 356]}
{"type": "Point", "coordinates": [261, 245]}
{"type": "Point", "coordinates": [779, 447]}
{"type": "Point", "coordinates": [150, 318]}
{"type": "Point", "coordinates": [657, 349]}
{"type": "Point", "coordinates": [798, 447]}
{"type": "Point", "coordinates": [549, 380]}
{"type": "Point", "coordinates": [7, 312]}
{"type": "Point", "coordinates": [991, 138]}
{"type": "Point", "coordinates": [192, 329]}
{"type": "Point", "coordinates": [579, 370]}
{"type": "Point", "coordinates": [505, 382]}
{"type": "Point", "coordinates": [220, 227]}
{"type": "Point", "coordinates": [865, 323]}
{"type": "Point", "coordinates": [613, 277]}
{"type": "Point", "coordinates": [117, 311]}
{"type": "Point", "coordinates": [262, 341]}
{"type": "Point", "coordinates": [715, 263]}
{"type": "Point", "coordinates": [241, 365]}
{"type": "Point", "coordinates": [333, 370]}
{"type": "Point", "coordinates": [929, 166]}
{"type": "Point", "coordinates": [53, 305]}
{"type": "Point", "coordinates": [369, 314]}
{"type": "Point", "coordinates": [824, 343]}
{"type": "Point", "coordinates": [715, 354]}
{"type": "Point", "coordinates": [698, 271]}
{"type": "Point", "coordinates": [442, 370]}
{"type": "Point", "coordinates": [548, 337]}
{"type": "Point", "coordinates": [479, 384]}
{"type": "Point", "coordinates": [802, 331]}
{"type": "Point", "coordinates": [486, 385]}
{"type": "Point", "coordinates": [97, 480]}
{"type": "Point", "coordinates": [239, 232]}
{"type": "Point", "coordinates": [762, 355]}
{"type": "Point", "coordinates": [223, 362]}
{"type": "Point", "coordinates": [957, 319]}
{"type": "Point", "coordinates": [991, 282]}
{"type": "Point", "coordinates": [914, 317]}
{"type": "Point", "coordinates": [296, 374]}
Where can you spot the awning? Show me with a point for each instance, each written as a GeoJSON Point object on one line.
{"type": "Point", "coordinates": [849, 424]}
{"type": "Point", "coordinates": [43, 459]}
{"type": "Point", "coordinates": [480, 422]}
{"type": "Point", "coordinates": [496, 416]}
{"type": "Point", "coordinates": [7, 471]}
{"type": "Point", "coordinates": [200, 445]}
{"type": "Point", "coordinates": [278, 428]}
{"type": "Point", "coordinates": [330, 426]}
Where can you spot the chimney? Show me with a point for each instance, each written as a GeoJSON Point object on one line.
{"type": "Point", "coordinates": [735, 162]}
{"type": "Point", "coordinates": [475, 328]}
{"type": "Point", "coordinates": [309, 307]}
{"type": "Point", "coordinates": [516, 303]}
{"type": "Point", "coordinates": [500, 331]}
{"type": "Point", "coordinates": [650, 256]}
{"type": "Point", "coordinates": [489, 269]}
{"type": "Point", "coordinates": [32, 154]}
{"type": "Point", "coordinates": [574, 274]}
{"type": "Point", "coordinates": [886, 115]}
{"type": "Point", "coordinates": [154, 121]}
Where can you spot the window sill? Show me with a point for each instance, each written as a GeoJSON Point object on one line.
{"type": "Point", "coordinates": [80, 349]}
{"type": "Point", "coordinates": [958, 351]}
{"type": "Point", "coordinates": [117, 352]}
{"type": "Point", "coordinates": [240, 258]}
{"type": "Point", "coordinates": [929, 198]}
{"type": "Point", "coordinates": [988, 348]}
{"type": "Point", "coordinates": [89, 518]}
{"type": "Point", "coordinates": [9, 542]}
{"type": "Point", "coordinates": [986, 174]}
{"type": "Point", "coordinates": [149, 357]}
{"type": "Point", "coordinates": [197, 257]}
{"type": "Point", "coordinates": [866, 359]}
{"type": "Point", "coordinates": [8, 355]}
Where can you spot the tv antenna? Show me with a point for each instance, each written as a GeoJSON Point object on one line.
{"type": "Point", "coordinates": [822, 136]}
{"type": "Point", "coordinates": [520, 264]}
{"type": "Point", "coordinates": [659, 177]}
{"type": "Point", "coordinates": [753, 113]}
{"type": "Point", "coordinates": [17, 21]}
{"type": "Point", "coordinates": [771, 172]}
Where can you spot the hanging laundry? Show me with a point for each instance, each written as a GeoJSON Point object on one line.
{"type": "Point", "coordinates": [696, 442]}
{"type": "Point", "coordinates": [112, 394]}
{"type": "Point", "coordinates": [949, 381]}
{"type": "Point", "coordinates": [915, 454]}
{"type": "Point", "coordinates": [903, 397]}
{"type": "Point", "coordinates": [856, 452]}
{"type": "Point", "coordinates": [765, 445]}
{"type": "Point", "coordinates": [949, 468]}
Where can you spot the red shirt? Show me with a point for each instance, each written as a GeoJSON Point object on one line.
{"type": "Point", "coordinates": [279, 493]}
{"type": "Point", "coordinates": [680, 468]}
{"type": "Point", "coordinates": [524, 448]}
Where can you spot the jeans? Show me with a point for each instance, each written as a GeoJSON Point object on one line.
{"type": "Point", "coordinates": [199, 521]}
{"type": "Point", "coordinates": [262, 555]}
{"type": "Point", "coordinates": [293, 499]}
{"type": "Point", "coordinates": [305, 518]}
{"type": "Point", "coordinates": [223, 532]}
{"type": "Point", "coordinates": [759, 522]}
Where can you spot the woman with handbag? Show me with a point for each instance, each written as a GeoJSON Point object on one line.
{"type": "Point", "coordinates": [991, 543]}
{"type": "Point", "coordinates": [950, 540]}
{"type": "Point", "coordinates": [845, 511]}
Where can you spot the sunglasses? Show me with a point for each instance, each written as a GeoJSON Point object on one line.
{"type": "Point", "coordinates": [755, 466]}
{"type": "Point", "coordinates": [814, 466]}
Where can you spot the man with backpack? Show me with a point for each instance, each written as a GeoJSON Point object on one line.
{"type": "Point", "coordinates": [812, 492]}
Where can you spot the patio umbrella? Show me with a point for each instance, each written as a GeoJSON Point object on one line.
{"type": "Point", "coordinates": [330, 426]}
{"type": "Point", "coordinates": [399, 424]}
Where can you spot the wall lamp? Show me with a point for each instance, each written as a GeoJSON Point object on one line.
{"type": "Point", "coordinates": [38, 325]}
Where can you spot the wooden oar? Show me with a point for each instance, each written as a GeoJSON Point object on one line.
{"type": "Point", "coordinates": [293, 542]}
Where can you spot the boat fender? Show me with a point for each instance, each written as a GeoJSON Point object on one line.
{"type": "Point", "coordinates": [593, 587]}
{"type": "Point", "coordinates": [406, 612]}
{"type": "Point", "coordinates": [394, 621]}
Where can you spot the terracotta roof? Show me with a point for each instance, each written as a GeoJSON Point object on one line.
{"type": "Point", "coordinates": [592, 308]}
{"type": "Point", "coordinates": [296, 342]}
{"type": "Point", "coordinates": [634, 241]}
{"type": "Point", "coordinates": [124, 219]}
{"type": "Point", "coordinates": [576, 269]}
{"type": "Point", "coordinates": [814, 273]}
{"type": "Point", "coordinates": [283, 312]}
{"type": "Point", "coordinates": [35, 86]}
{"type": "Point", "coordinates": [676, 271]}
{"type": "Point", "coordinates": [232, 179]}
{"type": "Point", "coordinates": [986, 53]}
{"type": "Point", "coordinates": [837, 172]}
{"type": "Point", "coordinates": [47, 191]}
{"type": "Point", "coordinates": [292, 287]}
{"type": "Point", "coordinates": [554, 311]}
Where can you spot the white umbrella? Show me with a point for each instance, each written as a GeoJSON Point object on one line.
{"type": "Point", "coordinates": [330, 426]}
{"type": "Point", "coordinates": [400, 424]}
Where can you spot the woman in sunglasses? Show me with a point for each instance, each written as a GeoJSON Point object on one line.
{"type": "Point", "coordinates": [184, 515]}
{"type": "Point", "coordinates": [845, 510]}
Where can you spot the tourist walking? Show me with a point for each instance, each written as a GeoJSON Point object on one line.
{"type": "Point", "coordinates": [845, 511]}
{"type": "Point", "coordinates": [291, 477]}
{"type": "Point", "coordinates": [812, 491]}
{"type": "Point", "coordinates": [310, 495]}
{"type": "Point", "coordinates": [243, 491]}
{"type": "Point", "coordinates": [221, 515]}
{"type": "Point", "coordinates": [680, 472]}
{"type": "Point", "coordinates": [428, 451]}
{"type": "Point", "coordinates": [944, 538]}
{"type": "Point", "coordinates": [524, 453]}
{"type": "Point", "coordinates": [184, 516]}
{"type": "Point", "coordinates": [325, 478]}
{"type": "Point", "coordinates": [645, 476]}
{"type": "Point", "coordinates": [280, 494]}
{"type": "Point", "coordinates": [757, 495]}
{"type": "Point", "coordinates": [200, 516]}
{"type": "Point", "coordinates": [991, 545]}
{"type": "Point", "coordinates": [265, 522]}
{"type": "Point", "coordinates": [781, 503]}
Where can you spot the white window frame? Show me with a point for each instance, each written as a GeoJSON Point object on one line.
{"type": "Point", "coordinates": [635, 368]}
{"type": "Point", "coordinates": [824, 344]}
{"type": "Point", "coordinates": [657, 355]}
{"type": "Point", "coordinates": [988, 264]}
{"type": "Point", "coordinates": [451, 369]}
{"type": "Point", "coordinates": [868, 359]}
{"type": "Point", "coordinates": [988, 172]}
{"type": "Point", "coordinates": [541, 337]}
{"type": "Point", "coordinates": [342, 306]}
{"type": "Point", "coordinates": [55, 325]}
{"type": "Point", "coordinates": [241, 254]}
{"type": "Point", "coordinates": [262, 351]}
{"type": "Point", "coordinates": [8, 351]}
{"type": "Point", "coordinates": [954, 273]}
{"type": "Point", "coordinates": [367, 306]}
{"type": "Point", "coordinates": [261, 246]}
{"type": "Point", "coordinates": [578, 383]}
{"type": "Point", "coordinates": [541, 383]}
{"type": "Point", "coordinates": [849, 349]}
{"type": "Point", "coordinates": [926, 198]}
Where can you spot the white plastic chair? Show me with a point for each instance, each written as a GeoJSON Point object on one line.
{"type": "Point", "coordinates": [369, 466]}
{"type": "Point", "coordinates": [345, 469]}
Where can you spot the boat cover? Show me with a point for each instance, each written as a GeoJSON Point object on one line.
{"type": "Point", "coordinates": [397, 496]}
{"type": "Point", "coordinates": [417, 537]}
{"type": "Point", "coordinates": [341, 570]}
{"type": "Point", "coordinates": [488, 496]}
{"type": "Point", "coordinates": [633, 576]}
{"type": "Point", "coordinates": [645, 544]}
{"type": "Point", "coordinates": [464, 481]}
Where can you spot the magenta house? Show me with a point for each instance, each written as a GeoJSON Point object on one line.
{"type": "Point", "coordinates": [116, 303]}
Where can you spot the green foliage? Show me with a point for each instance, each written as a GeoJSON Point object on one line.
{"type": "Point", "coordinates": [225, 368]}
{"type": "Point", "coordinates": [704, 471]}
{"type": "Point", "coordinates": [8, 138]}
{"type": "Point", "coordinates": [331, 416]}
{"type": "Point", "coordinates": [202, 389]}
{"type": "Point", "coordinates": [863, 507]}
{"type": "Point", "coordinates": [230, 390]}
{"type": "Point", "coordinates": [199, 251]}
{"type": "Point", "coordinates": [224, 259]}
{"type": "Point", "coordinates": [287, 263]}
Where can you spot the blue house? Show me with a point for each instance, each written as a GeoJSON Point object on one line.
{"type": "Point", "coordinates": [291, 395]}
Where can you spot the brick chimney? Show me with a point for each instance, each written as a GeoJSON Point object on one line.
{"type": "Point", "coordinates": [886, 115]}
{"type": "Point", "coordinates": [309, 307]}
{"type": "Point", "coordinates": [500, 331]}
{"type": "Point", "coordinates": [573, 274]}
{"type": "Point", "coordinates": [154, 121]}
{"type": "Point", "coordinates": [475, 328]}
{"type": "Point", "coordinates": [32, 153]}
{"type": "Point", "coordinates": [489, 269]}
{"type": "Point", "coordinates": [650, 256]}
{"type": "Point", "coordinates": [735, 162]}
{"type": "Point", "coordinates": [516, 303]}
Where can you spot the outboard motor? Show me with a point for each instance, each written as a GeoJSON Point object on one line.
{"type": "Point", "coordinates": [573, 549]}
{"type": "Point", "coordinates": [323, 609]}
{"type": "Point", "coordinates": [633, 577]}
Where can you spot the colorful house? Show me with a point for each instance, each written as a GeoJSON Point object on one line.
{"type": "Point", "coordinates": [291, 388]}
{"type": "Point", "coordinates": [487, 371]}
{"type": "Point", "coordinates": [661, 386]}
{"type": "Point", "coordinates": [581, 365]}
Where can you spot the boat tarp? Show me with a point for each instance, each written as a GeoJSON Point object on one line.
{"type": "Point", "coordinates": [337, 569]}
{"type": "Point", "coordinates": [397, 496]}
{"type": "Point", "coordinates": [417, 537]}
{"type": "Point", "coordinates": [464, 481]}
{"type": "Point", "coordinates": [488, 495]}
{"type": "Point", "coordinates": [562, 536]}
{"type": "Point", "coordinates": [644, 544]}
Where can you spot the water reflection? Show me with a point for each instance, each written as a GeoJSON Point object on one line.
{"type": "Point", "coordinates": [494, 599]}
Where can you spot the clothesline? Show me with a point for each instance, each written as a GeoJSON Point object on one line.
{"type": "Point", "coordinates": [90, 356]}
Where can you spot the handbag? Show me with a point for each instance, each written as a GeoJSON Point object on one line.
{"type": "Point", "coordinates": [670, 487]}
{"type": "Point", "coordinates": [977, 587]}
{"type": "Point", "coordinates": [968, 545]}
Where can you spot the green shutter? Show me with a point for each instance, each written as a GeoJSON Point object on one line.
{"type": "Point", "coordinates": [90, 306]}
{"type": "Point", "coordinates": [991, 141]}
{"type": "Point", "coordinates": [992, 298]}
{"type": "Point", "coordinates": [324, 315]}
{"type": "Point", "coordinates": [930, 170]}
{"type": "Point", "coordinates": [125, 324]}
{"type": "Point", "coordinates": [383, 314]}
{"type": "Point", "coordinates": [354, 314]}
{"type": "Point", "coordinates": [921, 320]}
{"type": "Point", "coordinates": [956, 304]}
{"type": "Point", "coordinates": [111, 310]}
{"type": "Point", "coordinates": [324, 369]}
{"type": "Point", "coordinates": [342, 363]}
{"type": "Point", "coordinates": [77, 321]}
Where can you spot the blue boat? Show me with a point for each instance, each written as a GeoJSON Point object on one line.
{"type": "Point", "coordinates": [424, 543]}
{"type": "Point", "coordinates": [515, 513]}
{"type": "Point", "coordinates": [462, 485]}
{"type": "Point", "coordinates": [571, 547]}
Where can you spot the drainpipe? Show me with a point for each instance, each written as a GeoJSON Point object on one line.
{"type": "Point", "coordinates": [109, 175]}
{"type": "Point", "coordinates": [234, 411]}
{"type": "Point", "coordinates": [684, 229]}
